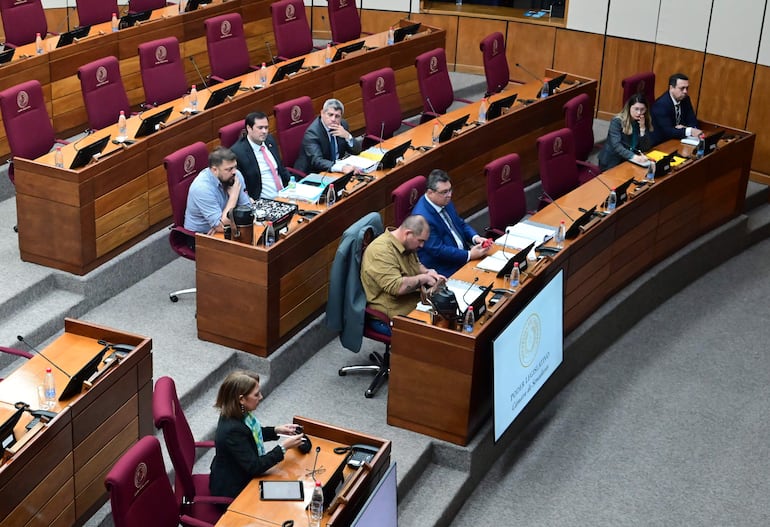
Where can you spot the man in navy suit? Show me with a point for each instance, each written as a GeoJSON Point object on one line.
{"type": "Point", "coordinates": [672, 114]}
{"type": "Point", "coordinates": [452, 242]}
{"type": "Point", "coordinates": [259, 160]}
{"type": "Point", "coordinates": [327, 141]}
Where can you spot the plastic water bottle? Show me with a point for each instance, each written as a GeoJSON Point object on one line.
{"type": "Point", "coordinates": [194, 98]}
{"type": "Point", "coordinates": [114, 23]}
{"type": "Point", "coordinates": [612, 200]}
{"type": "Point", "coordinates": [701, 146]}
{"type": "Point", "coordinates": [651, 172]}
{"type": "Point", "coordinates": [331, 195]}
{"type": "Point", "coordinates": [50, 389]}
{"type": "Point", "coordinates": [58, 158]}
{"type": "Point", "coordinates": [269, 234]}
{"type": "Point", "coordinates": [470, 320]}
{"type": "Point", "coordinates": [391, 36]}
{"type": "Point", "coordinates": [38, 44]}
{"type": "Point", "coordinates": [122, 124]}
{"type": "Point", "coordinates": [292, 183]}
{"type": "Point", "coordinates": [317, 505]}
{"type": "Point", "coordinates": [544, 91]}
{"type": "Point", "coordinates": [263, 75]}
{"type": "Point", "coordinates": [561, 235]}
{"type": "Point", "coordinates": [435, 134]}
{"type": "Point", "coordinates": [515, 275]}
{"type": "Point", "coordinates": [328, 54]}
{"type": "Point", "coordinates": [483, 111]}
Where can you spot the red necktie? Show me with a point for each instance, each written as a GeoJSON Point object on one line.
{"type": "Point", "coordinates": [273, 171]}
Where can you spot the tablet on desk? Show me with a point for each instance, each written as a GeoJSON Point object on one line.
{"type": "Point", "coordinates": [281, 490]}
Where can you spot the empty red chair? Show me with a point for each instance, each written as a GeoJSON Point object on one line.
{"type": "Point", "coordinates": [579, 117]}
{"type": "Point", "coordinates": [226, 45]}
{"type": "Point", "coordinates": [291, 120]}
{"type": "Point", "coordinates": [344, 20]}
{"type": "Point", "coordinates": [137, 6]}
{"type": "Point", "coordinates": [505, 193]}
{"type": "Point", "coordinates": [22, 21]}
{"type": "Point", "coordinates": [103, 92]}
{"type": "Point", "coordinates": [162, 71]}
{"type": "Point", "coordinates": [92, 12]}
{"type": "Point", "coordinates": [291, 30]}
{"type": "Point", "coordinates": [559, 170]}
{"type": "Point", "coordinates": [495, 62]}
{"type": "Point", "coordinates": [230, 133]}
{"type": "Point", "coordinates": [382, 109]}
{"type": "Point", "coordinates": [435, 85]}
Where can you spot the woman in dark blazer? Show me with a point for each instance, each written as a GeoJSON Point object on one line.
{"type": "Point", "coordinates": [629, 134]}
{"type": "Point", "coordinates": [239, 440]}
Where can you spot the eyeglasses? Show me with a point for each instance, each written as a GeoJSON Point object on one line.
{"type": "Point", "coordinates": [442, 192]}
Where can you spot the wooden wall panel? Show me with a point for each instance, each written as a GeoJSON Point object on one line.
{"type": "Point", "coordinates": [670, 60]}
{"type": "Point", "coordinates": [532, 46]}
{"type": "Point", "coordinates": [725, 91]}
{"type": "Point", "coordinates": [448, 24]}
{"type": "Point", "coordinates": [621, 58]}
{"type": "Point", "coordinates": [472, 30]}
{"type": "Point", "coordinates": [588, 62]}
{"type": "Point", "coordinates": [759, 116]}
{"type": "Point", "coordinates": [373, 21]}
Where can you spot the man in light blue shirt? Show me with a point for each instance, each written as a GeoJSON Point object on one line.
{"type": "Point", "coordinates": [214, 192]}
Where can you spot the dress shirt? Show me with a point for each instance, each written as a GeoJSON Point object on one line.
{"type": "Point", "coordinates": [265, 174]}
{"type": "Point", "coordinates": [206, 200]}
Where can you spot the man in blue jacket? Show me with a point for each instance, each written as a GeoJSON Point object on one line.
{"type": "Point", "coordinates": [673, 116]}
{"type": "Point", "coordinates": [452, 242]}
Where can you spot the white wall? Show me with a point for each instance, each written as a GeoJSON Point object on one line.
{"type": "Point", "coordinates": [587, 15]}
{"type": "Point", "coordinates": [684, 23]}
{"type": "Point", "coordinates": [735, 28]}
{"type": "Point", "coordinates": [634, 19]}
{"type": "Point", "coordinates": [764, 45]}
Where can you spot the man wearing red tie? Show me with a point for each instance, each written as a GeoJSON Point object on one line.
{"type": "Point", "coordinates": [259, 160]}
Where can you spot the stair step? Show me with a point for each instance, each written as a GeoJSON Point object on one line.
{"type": "Point", "coordinates": [39, 317]}
{"type": "Point", "coordinates": [431, 501]}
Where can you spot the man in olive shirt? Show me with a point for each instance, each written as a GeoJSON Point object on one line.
{"type": "Point", "coordinates": [391, 273]}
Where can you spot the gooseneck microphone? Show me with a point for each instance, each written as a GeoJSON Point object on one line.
{"type": "Point", "coordinates": [469, 289]}
{"type": "Point", "coordinates": [315, 461]}
{"type": "Point", "coordinates": [270, 52]}
{"type": "Point", "coordinates": [536, 77]}
{"type": "Point", "coordinates": [200, 75]}
{"type": "Point", "coordinates": [34, 349]}
{"type": "Point", "coordinates": [557, 205]}
{"type": "Point", "coordinates": [432, 109]}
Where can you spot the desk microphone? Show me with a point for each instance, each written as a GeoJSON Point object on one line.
{"type": "Point", "coordinates": [31, 347]}
{"type": "Point", "coordinates": [382, 132]}
{"type": "Point", "coordinates": [270, 52]}
{"type": "Point", "coordinates": [432, 109]}
{"type": "Point", "coordinates": [557, 206]}
{"type": "Point", "coordinates": [200, 75]}
{"type": "Point", "coordinates": [315, 462]}
{"type": "Point", "coordinates": [469, 289]}
{"type": "Point", "coordinates": [536, 77]}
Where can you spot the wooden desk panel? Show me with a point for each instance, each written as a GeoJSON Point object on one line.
{"type": "Point", "coordinates": [449, 398]}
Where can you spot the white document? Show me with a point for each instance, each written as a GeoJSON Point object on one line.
{"type": "Point", "coordinates": [361, 163]}
{"type": "Point", "coordinates": [302, 192]}
{"type": "Point", "coordinates": [533, 233]}
{"type": "Point", "coordinates": [494, 262]}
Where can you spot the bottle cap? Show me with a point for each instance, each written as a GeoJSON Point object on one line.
{"type": "Point", "coordinates": [515, 264]}
{"type": "Point", "coordinates": [317, 483]}
{"type": "Point", "coordinates": [470, 308]}
{"type": "Point", "coordinates": [48, 370]}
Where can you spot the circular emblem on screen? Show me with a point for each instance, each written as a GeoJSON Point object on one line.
{"type": "Point", "coordinates": [434, 64]}
{"type": "Point", "coordinates": [529, 342]}
{"type": "Point", "coordinates": [379, 86]}
{"type": "Point", "coordinates": [161, 53]}
{"type": "Point", "coordinates": [140, 475]}
{"type": "Point", "coordinates": [296, 114]}
{"type": "Point", "coordinates": [580, 111]}
{"type": "Point", "coordinates": [505, 175]}
{"type": "Point", "coordinates": [413, 196]}
{"type": "Point", "coordinates": [22, 100]}
{"type": "Point", "coordinates": [101, 74]}
{"type": "Point", "coordinates": [226, 28]}
{"type": "Point", "coordinates": [495, 47]}
{"type": "Point", "coordinates": [557, 146]}
{"type": "Point", "coordinates": [189, 164]}
{"type": "Point", "coordinates": [290, 12]}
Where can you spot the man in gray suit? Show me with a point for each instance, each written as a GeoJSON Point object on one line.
{"type": "Point", "coordinates": [327, 141]}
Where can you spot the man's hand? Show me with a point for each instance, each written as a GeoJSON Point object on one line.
{"type": "Point", "coordinates": [640, 159]}
{"type": "Point", "coordinates": [337, 130]}
{"type": "Point", "coordinates": [694, 132]}
{"type": "Point", "coordinates": [478, 251]}
{"type": "Point", "coordinates": [235, 188]}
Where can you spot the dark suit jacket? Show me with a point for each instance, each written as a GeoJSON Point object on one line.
{"type": "Point", "coordinates": [440, 251]}
{"type": "Point", "coordinates": [664, 118]}
{"type": "Point", "coordinates": [236, 460]}
{"type": "Point", "coordinates": [248, 166]}
{"type": "Point", "coordinates": [316, 152]}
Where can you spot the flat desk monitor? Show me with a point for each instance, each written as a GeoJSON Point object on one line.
{"type": "Point", "coordinates": [85, 154]}
{"type": "Point", "coordinates": [69, 37]}
{"type": "Point", "coordinates": [287, 69]}
{"type": "Point", "coordinates": [339, 185]}
{"type": "Point", "coordinates": [150, 124]}
{"type": "Point", "coordinates": [448, 131]}
{"type": "Point", "coordinates": [6, 55]}
{"type": "Point", "coordinates": [381, 507]}
{"type": "Point", "coordinates": [131, 19]}
{"type": "Point", "coordinates": [344, 50]}
{"type": "Point", "coordinates": [710, 143]}
{"type": "Point", "coordinates": [621, 191]}
{"type": "Point", "coordinates": [479, 303]}
{"type": "Point", "coordinates": [496, 107]}
{"type": "Point", "coordinates": [663, 165]}
{"type": "Point", "coordinates": [392, 156]}
{"type": "Point", "coordinates": [192, 5]}
{"type": "Point", "coordinates": [7, 437]}
{"type": "Point", "coordinates": [574, 229]}
{"type": "Point", "coordinates": [402, 32]}
{"type": "Point", "coordinates": [555, 83]}
{"type": "Point", "coordinates": [217, 97]}
{"type": "Point", "coordinates": [520, 257]}
{"type": "Point", "coordinates": [75, 384]}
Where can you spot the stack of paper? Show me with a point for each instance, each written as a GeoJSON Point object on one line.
{"type": "Point", "coordinates": [302, 192]}
{"type": "Point", "coordinates": [524, 233]}
{"type": "Point", "coordinates": [494, 262]}
{"type": "Point", "coordinates": [361, 163]}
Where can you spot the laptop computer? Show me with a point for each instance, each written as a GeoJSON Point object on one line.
{"type": "Point", "coordinates": [218, 96]}
{"type": "Point", "coordinates": [149, 125]}
{"type": "Point", "coordinates": [520, 257]}
{"type": "Point", "coordinates": [495, 109]}
{"type": "Point", "coordinates": [6, 55]}
{"type": "Point", "coordinates": [69, 37]}
{"type": "Point", "coordinates": [449, 130]}
{"type": "Point", "coordinates": [344, 50]}
{"type": "Point", "coordinates": [402, 32]}
{"type": "Point", "coordinates": [391, 157]}
{"type": "Point", "coordinates": [287, 69]}
{"type": "Point", "coordinates": [84, 156]}
{"type": "Point", "coordinates": [131, 19]}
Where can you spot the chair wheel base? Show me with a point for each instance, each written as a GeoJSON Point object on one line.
{"type": "Point", "coordinates": [173, 298]}
{"type": "Point", "coordinates": [342, 372]}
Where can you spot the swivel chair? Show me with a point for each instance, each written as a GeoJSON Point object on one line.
{"type": "Point", "coordinates": [435, 84]}
{"type": "Point", "coordinates": [495, 63]}
{"type": "Point", "coordinates": [103, 92]}
{"type": "Point", "coordinates": [505, 193]}
{"type": "Point", "coordinates": [405, 196]}
{"type": "Point", "coordinates": [292, 118]}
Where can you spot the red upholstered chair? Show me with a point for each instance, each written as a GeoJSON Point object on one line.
{"type": "Point", "coordinates": [382, 109]}
{"type": "Point", "coordinates": [27, 125]}
{"type": "Point", "coordinates": [103, 92]}
{"type": "Point", "coordinates": [226, 45]}
{"type": "Point", "coordinates": [230, 133]}
{"type": "Point", "coordinates": [559, 170]}
{"type": "Point", "coordinates": [291, 120]}
{"type": "Point", "coordinates": [22, 20]}
{"type": "Point", "coordinates": [505, 193]}
{"type": "Point", "coordinates": [579, 117]}
{"type": "Point", "coordinates": [435, 85]}
{"type": "Point", "coordinates": [137, 6]}
{"type": "Point", "coordinates": [181, 168]}
{"type": "Point", "coordinates": [162, 71]}
{"type": "Point", "coordinates": [641, 82]}
{"type": "Point", "coordinates": [192, 490]}
{"type": "Point", "coordinates": [344, 20]}
{"type": "Point", "coordinates": [495, 62]}
{"type": "Point", "coordinates": [291, 30]}
{"type": "Point", "coordinates": [140, 492]}
{"type": "Point", "coordinates": [92, 12]}
{"type": "Point", "coordinates": [405, 196]}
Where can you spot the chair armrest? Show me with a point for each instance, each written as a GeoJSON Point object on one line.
{"type": "Point", "coordinates": [410, 125]}
{"type": "Point", "coordinates": [204, 444]}
{"type": "Point", "coordinates": [215, 500]}
{"type": "Point", "coordinates": [18, 353]}
{"type": "Point", "coordinates": [216, 78]}
{"type": "Point", "coordinates": [379, 315]}
{"type": "Point", "coordinates": [593, 169]}
{"type": "Point", "coordinates": [296, 172]}
{"type": "Point", "coordinates": [189, 521]}
{"type": "Point", "coordinates": [466, 101]}
{"type": "Point", "coordinates": [494, 231]}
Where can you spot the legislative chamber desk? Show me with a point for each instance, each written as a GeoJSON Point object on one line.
{"type": "Point", "coordinates": [441, 380]}
{"type": "Point", "coordinates": [74, 220]}
{"type": "Point", "coordinates": [254, 299]}
{"type": "Point", "coordinates": [56, 69]}
{"type": "Point", "coordinates": [356, 484]}
{"type": "Point", "coordinates": [57, 476]}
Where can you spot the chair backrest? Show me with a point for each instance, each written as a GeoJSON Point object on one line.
{"type": "Point", "coordinates": [381, 104]}
{"type": "Point", "coordinates": [25, 117]}
{"type": "Point", "coordinates": [505, 191]}
{"type": "Point", "coordinates": [230, 133]}
{"type": "Point", "coordinates": [92, 12]}
{"type": "Point", "coordinates": [344, 20]}
{"type": "Point", "coordinates": [556, 157]}
{"type": "Point", "coordinates": [290, 27]}
{"type": "Point", "coordinates": [495, 62]}
{"type": "Point", "coordinates": [181, 168]}
{"type": "Point", "coordinates": [226, 45]}
{"type": "Point", "coordinates": [433, 79]}
{"type": "Point", "coordinates": [405, 196]}
{"type": "Point", "coordinates": [140, 492]}
{"type": "Point", "coordinates": [22, 20]}
{"type": "Point", "coordinates": [137, 6]}
{"type": "Point", "coordinates": [162, 70]}
{"type": "Point", "coordinates": [579, 117]}
{"type": "Point", "coordinates": [291, 120]}
{"type": "Point", "coordinates": [169, 417]}
{"type": "Point", "coordinates": [641, 82]}
{"type": "Point", "coordinates": [103, 92]}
